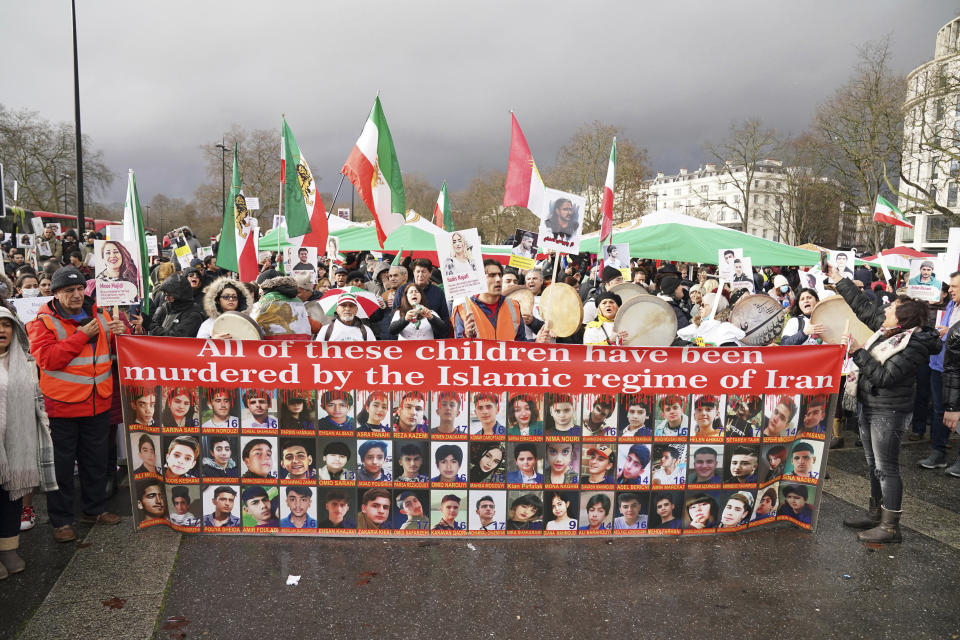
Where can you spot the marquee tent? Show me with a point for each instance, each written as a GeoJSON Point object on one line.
{"type": "Point", "coordinates": [666, 235]}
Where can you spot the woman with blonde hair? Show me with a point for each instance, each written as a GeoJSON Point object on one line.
{"type": "Point", "coordinates": [461, 256]}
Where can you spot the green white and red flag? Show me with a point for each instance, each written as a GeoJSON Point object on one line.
{"type": "Point", "coordinates": [606, 206]}
{"type": "Point", "coordinates": [133, 231]}
{"type": "Point", "coordinates": [303, 208]}
{"type": "Point", "coordinates": [441, 212]}
{"type": "Point", "coordinates": [887, 212]}
{"type": "Point", "coordinates": [524, 186]}
{"type": "Point", "coordinates": [237, 250]}
{"type": "Point", "coordinates": [373, 169]}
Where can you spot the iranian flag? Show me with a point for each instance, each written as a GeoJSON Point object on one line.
{"type": "Point", "coordinates": [373, 169]}
{"type": "Point", "coordinates": [524, 187]}
{"type": "Point", "coordinates": [887, 212]}
{"type": "Point", "coordinates": [441, 212]}
{"type": "Point", "coordinates": [301, 202]}
{"type": "Point", "coordinates": [237, 250]}
{"type": "Point", "coordinates": [606, 206]}
{"type": "Point", "coordinates": [133, 232]}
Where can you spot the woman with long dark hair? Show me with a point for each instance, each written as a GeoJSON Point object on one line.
{"type": "Point", "coordinates": [486, 463]}
{"type": "Point", "coordinates": [523, 416]}
{"type": "Point", "coordinates": [799, 329]}
{"type": "Point", "coordinates": [412, 320]}
{"type": "Point", "coordinates": [525, 512]}
{"type": "Point", "coordinates": [884, 386]}
{"type": "Point", "coordinates": [180, 408]}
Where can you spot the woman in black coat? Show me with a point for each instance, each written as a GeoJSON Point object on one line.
{"type": "Point", "coordinates": [885, 384]}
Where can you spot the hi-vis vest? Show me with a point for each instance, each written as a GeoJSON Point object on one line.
{"type": "Point", "coordinates": [89, 370]}
{"type": "Point", "coordinates": [509, 319]}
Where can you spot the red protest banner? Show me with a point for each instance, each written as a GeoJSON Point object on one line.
{"type": "Point", "coordinates": [468, 437]}
{"type": "Point", "coordinates": [476, 365]}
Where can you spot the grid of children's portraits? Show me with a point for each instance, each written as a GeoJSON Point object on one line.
{"type": "Point", "coordinates": [323, 462]}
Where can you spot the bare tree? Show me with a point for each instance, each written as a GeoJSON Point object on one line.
{"type": "Point", "coordinates": [41, 156]}
{"type": "Point", "coordinates": [810, 202]}
{"type": "Point", "coordinates": [480, 205]}
{"type": "Point", "coordinates": [259, 157]}
{"type": "Point", "coordinates": [738, 158]}
{"type": "Point", "coordinates": [860, 130]}
{"type": "Point", "coordinates": [421, 196]}
{"type": "Point", "coordinates": [581, 167]}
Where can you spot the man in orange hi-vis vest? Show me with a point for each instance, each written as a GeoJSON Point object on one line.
{"type": "Point", "coordinates": [489, 315]}
{"type": "Point", "coordinates": [71, 341]}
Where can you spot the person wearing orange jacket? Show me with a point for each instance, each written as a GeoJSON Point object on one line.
{"type": "Point", "coordinates": [71, 341]}
{"type": "Point", "coordinates": [489, 315]}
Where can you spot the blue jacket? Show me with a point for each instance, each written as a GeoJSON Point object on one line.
{"type": "Point", "coordinates": [516, 477]}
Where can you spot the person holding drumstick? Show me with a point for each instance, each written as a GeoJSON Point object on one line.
{"type": "Point", "coordinates": [884, 384]}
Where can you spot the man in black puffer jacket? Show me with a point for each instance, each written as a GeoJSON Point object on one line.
{"type": "Point", "coordinates": [179, 316]}
{"type": "Point", "coordinates": [951, 375]}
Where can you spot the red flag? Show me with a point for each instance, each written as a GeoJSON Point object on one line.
{"type": "Point", "coordinates": [524, 187]}
{"type": "Point", "coordinates": [606, 227]}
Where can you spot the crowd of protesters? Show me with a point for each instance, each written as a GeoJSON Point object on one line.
{"type": "Point", "coordinates": [67, 415]}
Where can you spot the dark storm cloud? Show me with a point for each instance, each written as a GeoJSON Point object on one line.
{"type": "Point", "coordinates": [159, 79]}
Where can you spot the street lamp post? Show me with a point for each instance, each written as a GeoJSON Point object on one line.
{"type": "Point", "coordinates": [223, 178]}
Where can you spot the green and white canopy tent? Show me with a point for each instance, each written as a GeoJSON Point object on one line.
{"type": "Point", "coordinates": [666, 235]}
{"type": "Point", "coordinates": [417, 236]}
{"type": "Point", "coordinates": [336, 224]}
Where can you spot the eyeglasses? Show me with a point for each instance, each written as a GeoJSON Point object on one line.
{"type": "Point", "coordinates": [229, 298]}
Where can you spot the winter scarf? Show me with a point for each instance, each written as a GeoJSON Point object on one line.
{"type": "Point", "coordinates": [26, 450]}
{"type": "Point", "coordinates": [881, 353]}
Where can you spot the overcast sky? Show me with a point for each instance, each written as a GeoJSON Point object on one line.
{"type": "Point", "coordinates": [158, 79]}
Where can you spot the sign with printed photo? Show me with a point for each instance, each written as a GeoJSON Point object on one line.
{"type": "Point", "coordinates": [117, 269]}
{"type": "Point", "coordinates": [725, 260]}
{"type": "Point", "coordinates": [560, 231]}
{"type": "Point", "coordinates": [742, 274]}
{"type": "Point", "coordinates": [844, 262]}
{"type": "Point", "coordinates": [618, 257]}
{"type": "Point", "coordinates": [924, 281]}
{"type": "Point", "coordinates": [461, 263]}
{"type": "Point", "coordinates": [302, 259]}
{"type": "Point", "coordinates": [524, 253]}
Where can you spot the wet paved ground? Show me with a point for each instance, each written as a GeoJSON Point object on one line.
{"type": "Point", "coordinates": [775, 582]}
{"type": "Point", "coordinates": [22, 594]}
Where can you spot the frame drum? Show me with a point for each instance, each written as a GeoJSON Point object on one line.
{"type": "Point", "coordinates": [561, 309]}
{"type": "Point", "coordinates": [650, 322]}
{"type": "Point", "coordinates": [238, 325]}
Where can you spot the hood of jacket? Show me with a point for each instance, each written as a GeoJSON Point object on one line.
{"type": "Point", "coordinates": [380, 268]}
{"type": "Point", "coordinates": [929, 338]}
{"type": "Point", "coordinates": [178, 287]}
{"type": "Point", "coordinates": [19, 337]}
{"type": "Point", "coordinates": [284, 285]}
{"type": "Point", "coordinates": [7, 283]}
{"type": "Point", "coordinates": [216, 287]}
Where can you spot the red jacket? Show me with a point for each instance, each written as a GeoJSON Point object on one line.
{"type": "Point", "coordinates": [54, 354]}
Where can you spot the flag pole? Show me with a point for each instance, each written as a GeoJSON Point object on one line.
{"type": "Point", "coordinates": [342, 176]}
{"type": "Point", "coordinates": [283, 180]}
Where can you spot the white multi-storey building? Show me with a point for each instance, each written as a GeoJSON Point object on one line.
{"type": "Point", "coordinates": [711, 193]}
{"type": "Point", "coordinates": [931, 130]}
